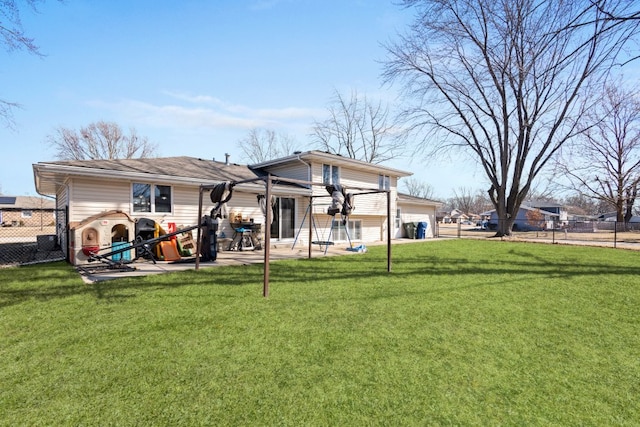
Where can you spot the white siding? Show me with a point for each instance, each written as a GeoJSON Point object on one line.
{"type": "Point", "coordinates": [244, 204]}
{"type": "Point", "coordinates": [298, 171]}
{"type": "Point", "coordinates": [184, 207]}
{"type": "Point", "coordinates": [89, 197]}
{"type": "Point", "coordinates": [373, 229]}
{"type": "Point", "coordinates": [372, 204]}
{"type": "Point", "coordinates": [62, 198]}
{"type": "Point", "coordinates": [365, 204]}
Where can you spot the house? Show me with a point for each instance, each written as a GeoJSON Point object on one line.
{"type": "Point", "coordinates": [26, 211]}
{"type": "Point", "coordinates": [165, 192]}
{"type": "Point", "coordinates": [457, 216]}
{"type": "Point", "coordinates": [454, 217]}
{"type": "Point", "coordinates": [577, 214]}
{"type": "Point", "coordinates": [527, 219]}
{"type": "Point", "coordinates": [552, 207]}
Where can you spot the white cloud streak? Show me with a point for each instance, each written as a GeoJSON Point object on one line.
{"type": "Point", "coordinates": [203, 111]}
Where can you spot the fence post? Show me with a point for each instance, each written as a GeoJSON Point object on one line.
{"type": "Point", "coordinates": [459, 228]}
{"type": "Point", "coordinates": [615, 234]}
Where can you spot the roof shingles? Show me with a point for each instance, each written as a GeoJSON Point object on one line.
{"type": "Point", "coordinates": [183, 166]}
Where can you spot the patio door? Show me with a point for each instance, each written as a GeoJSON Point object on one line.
{"type": "Point", "coordinates": [283, 223]}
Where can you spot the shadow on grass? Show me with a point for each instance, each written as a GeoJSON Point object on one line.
{"type": "Point", "coordinates": [42, 282]}
{"type": "Point", "coordinates": [409, 265]}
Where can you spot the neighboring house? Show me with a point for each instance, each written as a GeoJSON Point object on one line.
{"type": "Point", "coordinates": [166, 192]}
{"type": "Point", "coordinates": [523, 221]}
{"type": "Point", "coordinates": [608, 216]}
{"type": "Point", "coordinates": [555, 208]}
{"type": "Point", "coordinates": [457, 216]}
{"type": "Point", "coordinates": [453, 217]}
{"type": "Point", "coordinates": [577, 214]}
{"type": "Point", "coordinates": [441, 216]}
{"type": "Point", "coordinates": [26, 211]}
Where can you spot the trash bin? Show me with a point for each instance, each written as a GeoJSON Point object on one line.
{"type": "Point", "coordinates": [421, 230]}
{"type": "Point", "coordinates": [410, 229]}
{"type": "Point", "coordinates": [209, 239]}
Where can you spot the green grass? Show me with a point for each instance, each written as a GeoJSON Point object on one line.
{"type": "Point", "coordinates": [459, 333]}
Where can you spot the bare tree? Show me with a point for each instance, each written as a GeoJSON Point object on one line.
{"type": "Point", "coordinates": [359, 129]}
{"type": "Point", "coordinates": [604, 163]}
{"type": "Point", "coordinates": [100, 140]}
{"type": "Point", "coordinates": [503, 80]}
{"type": "Point", "coordinates": [463, 200]}
{"type": "Point", "coordinates": [265, 144]}
{"type": "Point", "coordinates": [481, 202]}
{"type": "Point", "coordinates": [416, 188]}
{"type": "Point", "coordinates": [612, 11]}
{"type": "Point", "coordinates": [589, 205]}
{"type": "Point", "coordinates": [14, 39]}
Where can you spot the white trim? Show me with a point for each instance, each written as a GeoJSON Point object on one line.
{"type": "Point", "coordinates": [322, 157]}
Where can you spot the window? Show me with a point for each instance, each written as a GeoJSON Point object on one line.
{"type": "Point", "coordinates": [27, 214]}
{"type": "Point", "coordinates": [330, 174]}
{"type": "Point", "coordinates": [354, 227]}
{"type": "Point", "coordinates": [384, 182]}
{"type": "Point", "coordinates": [398, 218]}
{"type": "Point", "coordinates": [145, 200]}
{"type": "Point", "coordinates": [163, 198]}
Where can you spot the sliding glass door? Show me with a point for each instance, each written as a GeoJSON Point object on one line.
{"type": "Point", "coordinates": [283, 225]}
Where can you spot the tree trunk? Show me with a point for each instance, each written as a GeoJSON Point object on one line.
{"type": "Point", "coordinates": [632, 193]}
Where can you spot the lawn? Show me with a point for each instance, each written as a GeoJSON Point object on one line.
{"type": "Point", "coordinates": [461, 332]}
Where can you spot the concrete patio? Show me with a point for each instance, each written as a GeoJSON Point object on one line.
{"type": "Point", "coordinates": [144, 267]}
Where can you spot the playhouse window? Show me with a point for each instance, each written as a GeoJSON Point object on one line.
{"type": "Point", "coordinates": [145, 200]}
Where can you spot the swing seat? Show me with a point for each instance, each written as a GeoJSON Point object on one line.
{"type": "Point", "coordinates": [322, 243]}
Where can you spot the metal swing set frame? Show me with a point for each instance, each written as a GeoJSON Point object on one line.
{"type": "Point", "coordinates": [320, 242]}
{"type": "Point", "coordinates": [269, 181]}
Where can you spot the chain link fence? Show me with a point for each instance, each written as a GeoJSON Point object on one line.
{"type": "Point", "coordinates": [38, 240]}
{"type": "Point", "coordinates": [595, 233]}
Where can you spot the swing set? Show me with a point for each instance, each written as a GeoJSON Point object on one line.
{"type": "Point", "coordinates": [320, 240]}
{"type": "Point", "coordinates": [341, 203]}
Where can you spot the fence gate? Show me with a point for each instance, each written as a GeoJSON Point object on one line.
{"type": "Point", "coordinates": [40, 239]}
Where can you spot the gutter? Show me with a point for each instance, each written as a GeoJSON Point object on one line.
{"type": "Point", "coordinates": [41, 169]}
{"type": "Point", "coordinates": [333, 159]}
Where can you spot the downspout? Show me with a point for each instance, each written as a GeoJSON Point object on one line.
{"type": "Point", "coordinates": [307, 165]}
{"type": "Point", "coordinates": [310, 198]}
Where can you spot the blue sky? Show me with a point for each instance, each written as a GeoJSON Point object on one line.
{"type": "Point", "coordinates": [196, 76]}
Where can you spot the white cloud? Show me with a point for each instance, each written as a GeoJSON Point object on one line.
{"type": "Point", "coordinates": [194, 99]}
{"type": "Point", "coordinates": [203, 111]}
